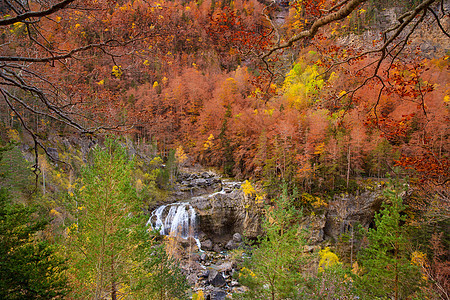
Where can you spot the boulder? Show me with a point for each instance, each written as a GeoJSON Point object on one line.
{"type": "Point", "coordinates": [203, 256]}
{"type": "Point", "coordinates": [189, 243]}
{"type": "Point", "coordinates": [207, 245]}
{"type": "Point", "coordinates": [195, 257]}
{"type": "Point", "coordinates": [234, 283]}
{"type": "Point", "coordinates": [201, 182]}
{"type": "Point", "coordinates": [237, 237]}
{"type": "Point", "coordinates": [205, 274]}
{"type": "Point", "coordinates": [225, 267]}
{"type": "Point", "coordinates": [218, 295]}
{"type": "Point", "coordinates": [217, 248]}
{"type": "Point", "coordinates": [231, 245]}
{"type": "Point", "coordinates": [216, 278]}
{"type": "Point", "coordinates": [206, 175]}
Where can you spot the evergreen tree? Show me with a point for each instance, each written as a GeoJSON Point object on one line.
{"type": "Point", "coordinates": [109, 243]}
{"type": "Point", "coordinates": [15, 172]}
{"type": "Point", "coordinates": [332, 280]}
{"type": "Point", "coordinates": [30, 267]}
{"type": "Point", "coordinates": [386, 265]}
{"type": "Point", "coordinates": [166, 281]}
{"type": "Point", "coordinates": [274, 269]}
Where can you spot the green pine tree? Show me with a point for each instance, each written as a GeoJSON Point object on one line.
{"type": "Point", "coordinates": [166, 281]}
{"type": "Point", "coordinates": [109, 245]}
{"type": "Point", "coordinates": [30, 267]}
{"type": "Point", "coordinates": [386, 261]}
{"type": "Point", "coordinates": [274, 269]}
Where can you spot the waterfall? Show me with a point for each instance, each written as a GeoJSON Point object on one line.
{"type": "Point", "coordinates": [176, 219]}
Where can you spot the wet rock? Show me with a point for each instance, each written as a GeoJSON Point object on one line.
{"type": "Point", "coordinates": [216, 278]}
{"type": "Point", "coordinates": [203, 256]}
{"type": "Point", "coordinates": [225, 267]}
{"type": "Point", "coordinates": [217, 248]}
{"type": "Point", "coordinates": [231, 245]}
{"type": "Point", "coordinates": [189, 243]}
{"type": "Point", "coordinates": [207, 245]}
{"type": "Point", "coordinates": [205, 274]}
{"type": "Point", "coordinates": [237, 237]}
{"type": "Point", "coordinates": [234, 283]}
{"type": "Point", "coordinates": [218, 295]}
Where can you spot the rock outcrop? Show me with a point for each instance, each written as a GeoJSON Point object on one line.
{"type": "Point", "coordinates": [196, 184]}
{"type": "Point", "coordinates": [223, 218]}
{"type": "Point", "coordinates": [345, 210]}
{"type": "Point", "coordinates": [223, 213]}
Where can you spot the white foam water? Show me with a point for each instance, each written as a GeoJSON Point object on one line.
{"type": "Point", "coordinates": [176, 219]}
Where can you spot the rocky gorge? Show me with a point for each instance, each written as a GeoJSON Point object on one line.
{"type": "Point", "coordinates": [208, 217]}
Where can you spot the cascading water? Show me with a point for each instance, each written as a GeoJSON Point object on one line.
{"type": "Point", "coordinates": [176, 219]}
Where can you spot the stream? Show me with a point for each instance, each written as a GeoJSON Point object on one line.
{"type": "Point", "coordinates": [208, 265]}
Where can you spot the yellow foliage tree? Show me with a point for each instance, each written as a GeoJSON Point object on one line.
{"type": "Point", "coordinates": [117, 71]}
{"type": "Point", "coordinates": [198, 296]}
{"type": "Point", "coordinates": [327, 259]}
{"type": "Point", "coordinates": [209, 143]}
{"type": "Point", "coordinates": [303, 84]}
{"type": "Point", "coordinates": [180, 155]}
{"type": "Point", "coordinates": [248, 189]}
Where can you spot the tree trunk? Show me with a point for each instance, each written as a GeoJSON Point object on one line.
{"type": "Point", "coordinates": [348, 165]}
{"type": "Point", "coordinates": [396, 275]}
{"type": "Point", "coordinates": [113, 281]}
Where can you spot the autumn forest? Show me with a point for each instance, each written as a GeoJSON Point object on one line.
{"type": "Point", "coordinates": [331, 116]}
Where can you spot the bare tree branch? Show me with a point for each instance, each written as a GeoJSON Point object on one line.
{"type": "Point", "coordinates": [321, 22]}
{"type": "Point", "coordinates": [35, 14]}
{"type": "Point", "coordinates": [439, 22]}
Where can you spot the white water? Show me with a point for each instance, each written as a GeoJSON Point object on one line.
{"type": "Point", "coordinates": [227, 186]}
{"type": "Point", "coordinates": [176, 219]}
{"type": "Point", "coordinates": [180, 219]}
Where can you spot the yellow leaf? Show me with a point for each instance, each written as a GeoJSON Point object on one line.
{"type": "Point", "coordinates": [247, 188]}
{"type": "Point", "coordinates": [209, 142]}
{"type": "Point", "coordinates": [319, 148]}
{"type": "Point", "coordinates": [54, 212]}
{"type": "Point", "coordinates": [327, 259]}
{"type": "Point", "coordinates": [117, 71]}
